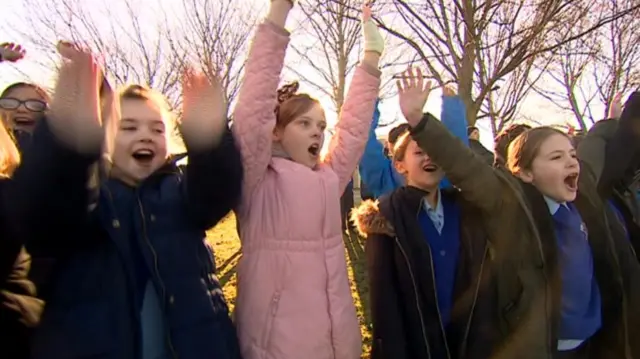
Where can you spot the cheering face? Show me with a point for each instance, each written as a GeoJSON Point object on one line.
{"type": "Point", "coordinates": [141, 140]}
{"type": "Point", "coordinates": [302, 138]}
{"type": "Point", "coordinates": [24, 106]}
{"type": "Point", "coordinates": [418, 169]}
{"type": "Point", "coordinates": [555, 170]}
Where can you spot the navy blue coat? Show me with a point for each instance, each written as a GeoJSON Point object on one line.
{"type": "Point", "coordinates": [93, 310]}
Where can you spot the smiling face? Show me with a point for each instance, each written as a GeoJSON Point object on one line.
{"type": "Point", "coordinates": [141, 139]}
{"type": "Point", "coordinates": [551, 163]}
{"type": "Point", "coordinates": [415, 165]}
{"type": "Point", "coordinates": [23, 106]}
{"type": "Point", "coordinates": [302, 138]}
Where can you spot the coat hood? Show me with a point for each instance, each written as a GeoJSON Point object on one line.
{"type": "Point", "coordinates": [369, 220]}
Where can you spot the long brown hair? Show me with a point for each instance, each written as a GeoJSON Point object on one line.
{"type": "Point", "coordinates": [9, 154]}
{"type": "Point", "coordinates": [292, 104]}
{"type": "Point", "coordinates": [525, 148]}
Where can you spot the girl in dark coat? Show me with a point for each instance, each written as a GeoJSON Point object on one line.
{"type": "Point", "coordinates": [134, 277]}
{"type": "Point", "coordinates": [572, 269]}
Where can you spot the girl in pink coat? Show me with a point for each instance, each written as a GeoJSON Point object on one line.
{"type": "Point", "coordinates": [294, 299]}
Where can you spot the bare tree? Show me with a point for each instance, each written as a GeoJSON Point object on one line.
{"type": "Point", "coordinates": [587, 73]}
{"type": "Point", "coordinates": [477, 44]}
{"type": "Point", "coordinates": [329, 47]}
{"type": "Point", "coordinates": [144, 43]}
{"type": "Point", "coordinates": [216, 34]}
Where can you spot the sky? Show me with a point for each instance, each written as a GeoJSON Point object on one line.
{"type": "Point", "coordinates": [16, 10]}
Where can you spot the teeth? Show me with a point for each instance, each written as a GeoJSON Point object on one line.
{"type": "Point", "coordinates": [144, 152]}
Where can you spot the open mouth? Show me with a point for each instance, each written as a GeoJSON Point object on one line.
{"type": "Point", "coordinates": [571, 181]}
{"type": "Point", "coordinates": [144, 156]}
{"type": "Point", "coordinates": [24, 121]}
{"type": "Point", "coordinates": [314, 150]}
{"type": "Point", "coordinates": [430, 168]}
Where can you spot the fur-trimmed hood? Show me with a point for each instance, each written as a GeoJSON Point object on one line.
{"type": "Point", "coordinates": [369, 220]}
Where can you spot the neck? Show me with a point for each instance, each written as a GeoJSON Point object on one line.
{"type": "Point", "coordinates": [432, 197]}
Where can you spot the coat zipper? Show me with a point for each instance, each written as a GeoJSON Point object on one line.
{"type": "Point", "coordinates": [435, 291]}
{"type": "Point", "coordinates": [157, 273]}
{"type": "Point", "coordinates": [415, 290]}
{"type": "Point", "coordinates": [473, 306]}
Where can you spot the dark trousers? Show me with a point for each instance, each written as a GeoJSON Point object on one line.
{"type": "Point", "coordinates": [346, 204]}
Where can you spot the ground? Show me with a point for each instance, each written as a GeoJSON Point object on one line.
{"type": "Point", "coordinates": [224, 239]}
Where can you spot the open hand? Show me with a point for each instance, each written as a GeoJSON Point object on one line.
{"type": "Point", "coordinates": [413, 93]}
{"type": "Point", "coordinates": [11, 52]}
{"type": "Point", "coordinates": [204, 117]}
{"type": "Point", "coordinates": [366, 11]}
{"type": "Point", "coordinates": [75, 108]}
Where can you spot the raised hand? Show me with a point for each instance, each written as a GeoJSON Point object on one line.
{"type": "Point", "coordinates": [11, 52]}
{"type": "Point", "coordinates": [413, 93]}
{"type": "Point", "coordinates": [615, 108]}
{"type": "Point", "coordinates": [449, 91]}
{"type": "Point", "coordinates": [74, 113]}
{"type": "Point", "coordinates": [373, 41]}
{"type": "Point", "coordinates": [204, 117]}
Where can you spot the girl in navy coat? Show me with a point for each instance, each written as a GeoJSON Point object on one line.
{"type": "Point", "coordinates": [134, 277]}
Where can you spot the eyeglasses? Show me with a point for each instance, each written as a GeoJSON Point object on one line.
{"type": "Point", "coordinates": [9, 103]}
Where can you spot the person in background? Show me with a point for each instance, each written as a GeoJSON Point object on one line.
{"type": "Point", "coordinates": [23, 104]}
{"type": "Point", "coordinates": [346, 205]}
{"type": "Point", "coordinates": [504, 139]}
{"type": "Point", "coordinates": [376, 167]}
{"type": "Point", "coordinates": [19, 308]}
{"type": "Point", "coordinates": [477, 147]}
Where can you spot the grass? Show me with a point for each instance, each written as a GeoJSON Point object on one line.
{"type": "Point", "coordinates": [226, 244]}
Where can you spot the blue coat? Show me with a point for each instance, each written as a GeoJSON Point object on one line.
{"type": "Point", "coordinates": [150, 236]}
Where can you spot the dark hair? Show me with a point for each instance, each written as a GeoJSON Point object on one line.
{"type": "Point", "coordinates": [396, 132]}
{"type": "Point", "coordinates": [524, 149]}
{"type": "Point", "coordinates": [504, 139]}
{"type": "Point", "coordinates": [470, 130]}
{"type": "Point", "coordinates": [16, 85]}
{"type": "Point", "coordinates": [292, 104]}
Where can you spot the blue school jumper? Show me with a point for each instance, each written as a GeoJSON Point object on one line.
{"type": "Point", "coordinates": [580, 316]}
{"type": "Point", "coordinates": [441, 228]}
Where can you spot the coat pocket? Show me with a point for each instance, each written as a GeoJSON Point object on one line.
{"type": "Point", "coordinates": [271, 317]}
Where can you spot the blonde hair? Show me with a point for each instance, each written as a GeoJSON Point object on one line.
{"type": "Point", "coordinates": [9, 154]}
{"type": "Point", "coordinates": [400, 148]}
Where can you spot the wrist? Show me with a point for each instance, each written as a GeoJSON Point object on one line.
{"type": "Point", "coordinates": [279, 11]}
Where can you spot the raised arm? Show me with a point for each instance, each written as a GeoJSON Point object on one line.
{"type": "Point", "coordinates": [376, 169]}
{"type": "Point", "coordinates": [612, 145]}
{"type": "Point", "coordinates": [348, 142]}
{"type": "Point", "coordinates": [476, 179]}
{"type": "Point", "coordinates": [454, 117]}
{"type": "Point", "coordinates": [48, 196]}
{"type": "Point", "coordinates": [214, 171]}
{"type": "Point", "coordinates": [254, 118]}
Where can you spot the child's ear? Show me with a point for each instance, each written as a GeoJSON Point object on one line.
{"type": "Point", "coordinates": [525, 175]}
{"type": "Point", "coordinates": [400, 167]}
{"type": "Point", "coordinates": [277, 134]}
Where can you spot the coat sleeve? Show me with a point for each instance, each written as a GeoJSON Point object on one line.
{"type": "Point", "coordinates": [254, 118]}
{"type": "Point", "coordinates": [376, 170]}
{"type": "Point", "coordinates": [386, 314]}
{"type": "Point", "coordinates": [610, 157]}
{"type": "Point", "coordinates": [454, 117]}
{"type": "Point", "coordinates": [477, 180]}
{"type": "Point", "coordinates": [213, 181]}
{"type": "Point", "coordinates": [348, 142]}
{"type": "Point", "coordinates": [48, 197]}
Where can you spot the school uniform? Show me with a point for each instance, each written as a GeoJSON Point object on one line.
{"type": "Point", "coordinates": [430, 277]}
